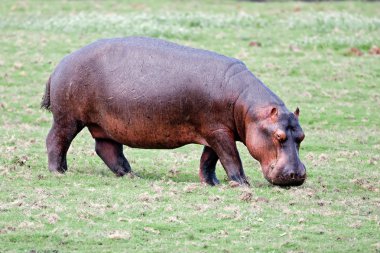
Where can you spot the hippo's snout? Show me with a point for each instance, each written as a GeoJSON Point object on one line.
{"type": "Point", "coordinates": [294, 176]}
{"type": "Point", "coordinates": [289, 176]}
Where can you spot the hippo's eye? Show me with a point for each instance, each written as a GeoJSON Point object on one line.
{"type": "Point", "coordinates": [280, 135]}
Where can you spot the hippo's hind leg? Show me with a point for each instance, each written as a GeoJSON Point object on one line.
{"type": "Point", "coordinates": [111, 153]}
{"type": "Point", "coordinates": [207, 167]}
{"type": "Point", "coordinates": [58, 142]}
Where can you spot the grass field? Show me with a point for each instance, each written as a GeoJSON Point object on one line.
{"type": "Point", "coordinates": [318, 56]}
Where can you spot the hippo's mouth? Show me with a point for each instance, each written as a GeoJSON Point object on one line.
{"type": "Point", "coordinates": [276, 177]}
{"type": "Point", "coordinates": [284, 181]}
{"type": "Point", "coordinates": [268, 171]}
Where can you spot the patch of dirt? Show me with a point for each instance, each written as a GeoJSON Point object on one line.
{"type": "Point", "coordinates": [323, 157]}
{"type": "Point", "coordinates": [39, 204]}
{"type": "Point", "coordinates": [233, 184]}
{"type": "Point", "coordinates": [317, 160]}
{"type": "Point", "coordinates": [53, 218]}
{"type": "Point", "coordinates": [231, 212]}
{"type": "Point", "coordinates": [30, 225]}
{"type": "Point", "coordinates": [202, 207]}
{"type": "Point", "coordinates": [322, 184]}
{"type": "Point", "coordinates": [225, 216]}
{"type": "Point", "coordinates": [254, 44]}
{"type": "Point", "coordinates": [215, 198]}
{"type": "Point", "coordinates": [173, 172]}
{"type": "Point", "coordinates": [7, 230]}
{"type": "Point", "coordinates": [301, 220]}
{"type": "Point", "coordinates": [17, 65]}
{"type": "Point", "coordinates": [348, 154]}
{"type": "Point", "coordinates": [156, 188]}
{"type": "Point", "coordinates": [261, 199]}
{"type": "Point", "coordinates": [169, 208]}
{"type": "Point", "coordinates": [374, 160]}
{"type": "Point", "coordinates": [374, 50]}
{"type": "Point", "coordinates": [305, 193]}
{"type": "Point", "coordinates": [356, 225]}
{"type": "Point", "coordinates": [256, 208]}
{"type": "Point", "coordinates": [366, 184]}
{"type": "Point", "coordinates": [170, 182]}
{"type": "Point", "coordinates": [148, 197]}
{"type": "Point", "coordinates": [376, 246]}
{"type": "Point", "coordinates": [222, 234]}
{"type": "Point", "coordinates": [354, 51]}
{"type": "Point", "coordinates": [191, 187]}
{"type": "Point", "coordinates": [294, 48]}
{"type": "Point", "coordinates": [174, 219]}
{"type": "Point", "coordinates": [119, 234]}
{"type": "Point", "coordinates": [20, 161]}
{"type": "Point", "coordinates": [297, 9]}
{"type": "Point", "coordinates": [152, 230]}
{"type": "Point", "coordinates": [246, 196]}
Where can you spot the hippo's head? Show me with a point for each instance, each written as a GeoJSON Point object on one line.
{"type": "Point", "coordinates": [273, 137]}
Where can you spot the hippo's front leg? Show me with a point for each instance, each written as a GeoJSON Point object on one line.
{"type": "Point", "coordinates": [223, 143]}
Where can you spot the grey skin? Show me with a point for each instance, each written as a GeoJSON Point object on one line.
{"type": "Point", "coordinates": [150, 93]}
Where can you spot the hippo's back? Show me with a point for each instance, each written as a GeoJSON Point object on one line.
{"type": "Point", "coordinates": [162, 54]}
{"type": "Point", "coordinates": [143, 59]}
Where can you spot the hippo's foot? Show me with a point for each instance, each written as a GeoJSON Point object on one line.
{"type": "Point", "coordinates": [132, 175]}
{"type": "Point", "coordinates": [58, 170]}
{"type": "Point", "coordinates": [111, 153]}
{"type": "Point", "coordinates": [207, 167]}
{"type": "Point", "coordinates": [210, 179]}
{"type": "Point", "coordinates": [58, 142]}
{"type": "Point", "coordinates": [239, 180]}
{"type": "Point", "coordinates": [121, 171]}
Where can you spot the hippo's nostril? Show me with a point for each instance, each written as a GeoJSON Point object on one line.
{"type": "Point", "coordinates": [292, 176]}
{"type": "Point", "coordinates": [302, 171]}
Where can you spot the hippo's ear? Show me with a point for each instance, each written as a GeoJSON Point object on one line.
{"type": "Point", "coordinates": [274, 113]}
{"type": "Point", "coordinates": [297, 112]}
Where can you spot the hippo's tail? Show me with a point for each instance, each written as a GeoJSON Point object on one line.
{"type": "Point", "coordinates": [45, 103]}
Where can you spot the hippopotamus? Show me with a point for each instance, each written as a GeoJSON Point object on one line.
{"type": "Point", "coordinates": [153, 94]}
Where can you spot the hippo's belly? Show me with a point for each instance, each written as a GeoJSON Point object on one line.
{"type": "Point", "coordinates": [153, 122]}
{"type": "Point", "coordinates": [146, 136]}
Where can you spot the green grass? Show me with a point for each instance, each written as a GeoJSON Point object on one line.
{"type": "Point", "coordinates": [304, 58]}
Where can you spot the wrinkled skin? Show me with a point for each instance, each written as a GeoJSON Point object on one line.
{"type": "Point", "coordinates": [149, 93]}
